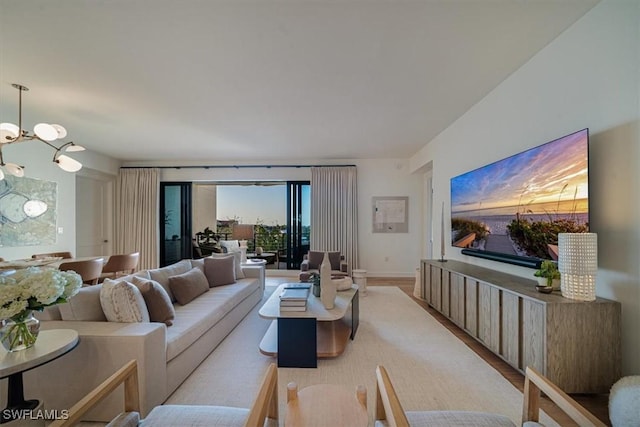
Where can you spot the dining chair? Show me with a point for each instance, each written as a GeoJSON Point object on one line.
{"type": "Point", "coordinates": [119, 265]}
{"type": "Point", "coordinates": [63, 255]}
{"type": "Point", "coordinates": [89, 270]}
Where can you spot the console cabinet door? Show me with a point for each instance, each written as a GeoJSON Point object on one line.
{"type": "Point", "coordinates": [457, 299]}
{"type": "Point", "coordinates": [471, 307]}
{"type": "Point", "coordinates": [436, 287]}
{"type": "Point", "coordinates": [495, 343]}
{"type": "Point", "coordinates": [446, 292]}
{"type": "Point", "coordinates": [533, 335]}
{"type": "Point", "coordinates": [484, 313]}
{"type": "Point", "coordinates": [510, 329]}
{"type": "Point", "coordinates": [425, 272]}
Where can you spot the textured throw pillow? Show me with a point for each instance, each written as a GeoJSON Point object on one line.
{"type": "Point", "coordinates": [85, 305]}
{"type": "Point", "coordinates": [188, 286]}
{"type": "Point", "coordinates": [220, 270]}
{"type": "Point", "coordinates": [237, 262]}
{"type": "Point", "coordinates": [158, 302]}
{"type": "Point", "coordinates": [122, 302]}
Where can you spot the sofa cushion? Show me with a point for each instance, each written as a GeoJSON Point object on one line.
{"type": "Point", "coordinates": [158, 301]}
{"type": "Point", "coordinates": [200, 315]}
{"type": "Point", "coordinates": [161, 275]}
{"type": "Point", "coordinates": [195, 416]}
{"type": "Point", "coordinates": [122, 302]}
{"type": "Point", "coordinates": [85, 305]}
{"type": "Point", "coordinates": [220, 270]}
{"type": "Point", "coordinates": [188, 286]}
{"type": "Point", "coordinates": [49, 313]}
{"type": "Point", "coordinates": [458, 418]}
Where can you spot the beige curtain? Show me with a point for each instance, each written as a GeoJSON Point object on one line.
{"type": "Point", "coordinates": [334, 211]}
{"type": "Point", "coordinates": [136, 222]}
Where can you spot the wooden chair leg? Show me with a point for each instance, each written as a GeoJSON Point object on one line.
{"type": "Point", "coordinates": [361, 395]}
{"type": "Point", "coordinates": [292, 392]}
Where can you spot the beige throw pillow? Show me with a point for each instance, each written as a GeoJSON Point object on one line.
{"type": "Point", "coordinates": [161, 275]}
{"type": "Point", "coordinates": [158, 302]}
{"type": "Point", "coordinates": [85, 305]}
{"type": "Point", "coordinates": [188, 286]}
{"type": "Point", "coordinates": [237, 262]}
{"type": "Point", "coordinates": [122, 302]}
{"type": "Point", "coordinates": [220, 270]}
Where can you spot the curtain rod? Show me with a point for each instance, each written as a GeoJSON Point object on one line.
{"type": "Point", "coordinates": [233, 166]}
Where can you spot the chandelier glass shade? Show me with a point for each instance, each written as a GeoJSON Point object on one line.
{"type": "Point", "coordinates": [43, 132]}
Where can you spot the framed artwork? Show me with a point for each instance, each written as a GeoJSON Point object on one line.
{"type": "Point", "coordinates": [390, 214]}
{"type": "Point", "coordinates": [27, 211]}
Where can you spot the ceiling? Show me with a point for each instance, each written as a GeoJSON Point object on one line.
{"type": "Point", "coordinates": [263, 79]}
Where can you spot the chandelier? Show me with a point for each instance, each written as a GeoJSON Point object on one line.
{"type": "Point", "coordinates": [43, 132]}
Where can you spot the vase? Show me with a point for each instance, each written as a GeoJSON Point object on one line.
{"type": "Point", "coordinates": [316, 290]}
{"type": "Point", "coordinates": [327, 286]}
{"type": "Point", "coordinates": [20, 331]}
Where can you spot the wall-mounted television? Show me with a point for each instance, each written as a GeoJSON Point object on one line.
{"type": "Point", "coordinates": [512, 210]}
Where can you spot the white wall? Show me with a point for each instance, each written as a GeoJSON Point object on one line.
{"type": "Point", "coordinates": [587, 77]}
{"type": "Point", "coordinates": [389, 255]}
{"type": "Point", "coordinates": [36, 157]}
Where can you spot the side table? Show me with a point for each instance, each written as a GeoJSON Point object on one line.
{"type": "Point", "coordinates": [326, 405]}
{"type": "Point", "coordinates": [49, 346]}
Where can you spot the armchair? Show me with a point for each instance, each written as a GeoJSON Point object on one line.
{"type": "Point", "coordinates": [264, 410]}
{"type": "Point", "coordinates": [312, 260]}
{"type": "Point", "coordinates": [389, 411]}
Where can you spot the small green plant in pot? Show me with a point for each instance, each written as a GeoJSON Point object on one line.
{"type": "Point", "coordinates": [548, 274]}
{"type": "Point", "coordinates": [314, 278]}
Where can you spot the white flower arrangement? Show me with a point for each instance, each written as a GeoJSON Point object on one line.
{"type": "Point", "coordinates": [34, 288]}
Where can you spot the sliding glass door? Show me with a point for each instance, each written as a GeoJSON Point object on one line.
{"type": "Point", "coordinates": [298, 222]}
{"type": "Point", "coordinates": [175, 229]}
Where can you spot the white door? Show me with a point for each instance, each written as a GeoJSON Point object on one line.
{"type": "Point", "coordinates": [93, 215]}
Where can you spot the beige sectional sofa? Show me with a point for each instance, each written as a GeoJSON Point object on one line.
{"type": "Point", "coordinates": [166, 355]}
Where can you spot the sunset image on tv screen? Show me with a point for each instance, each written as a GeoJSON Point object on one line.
{"type": "Point", "coordinates": [518, 205]}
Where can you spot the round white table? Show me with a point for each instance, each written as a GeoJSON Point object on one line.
{"type": "Point", "coordinates": [49, 346]}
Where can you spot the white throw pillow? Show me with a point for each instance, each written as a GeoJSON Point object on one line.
{"type": "Point", "coordinates": [122, 302]}
{"type": "Point", "coordinates": [230, 245]}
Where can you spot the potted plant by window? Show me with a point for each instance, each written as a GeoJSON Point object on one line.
{"type": "Point", "coordinates": [548, 275]}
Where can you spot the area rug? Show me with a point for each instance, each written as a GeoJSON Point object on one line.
{"type": "Point", "coordinates": [429, 367]}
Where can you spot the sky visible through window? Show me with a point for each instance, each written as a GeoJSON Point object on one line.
{"type": "Point", "coordinates": [252, 203]}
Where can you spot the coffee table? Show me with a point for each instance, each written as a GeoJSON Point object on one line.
{"type": "Point", "coordinates": [299, 338]}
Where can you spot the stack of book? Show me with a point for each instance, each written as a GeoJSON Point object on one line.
{"type": "Point", "coordinates": [294, 297]}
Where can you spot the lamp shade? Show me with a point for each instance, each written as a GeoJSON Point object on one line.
{"type": "Point", "coordinates": [8, 131]}
{"type": "Point", "coordinates": [14, 170]}
{"type": "Point", "coordinates": [62, 132]}
{"type": "Point", "coordinates": [578, 265]}
{"type": "Point", "coordinates": [68, 164]}
{"type": "Point", "coordinates": [45, 131]}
